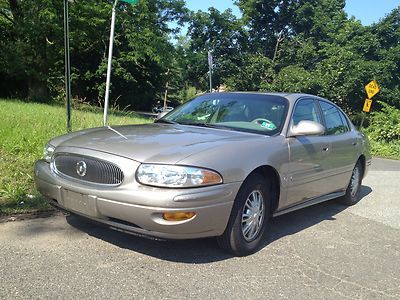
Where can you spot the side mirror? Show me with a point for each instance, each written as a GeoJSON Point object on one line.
{"type": "Point", "coordinates": [306, 127]}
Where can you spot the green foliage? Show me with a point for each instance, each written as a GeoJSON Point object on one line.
{"type": "Point", "coordinates": [293, 79]}
{"type": "Point", "coordinates": [32, 49]}
{"type": "Point", "coordinates": [188, 93]}
{"type": "Point", "coordinates": [387, 31]}
{"type": "Point", "coordinates": [302, 46]}
{"type": "Point", "coordinates": [254, 72]}
{"type": "Point", "coordinates": [385, 124]}
{"type": "Point", "coordinates": [383, 129]}
{"type": "Point", "coordinates": [222, 34]}
{"type": "Point", "coordinates": [29, 49]}
{"type": "Point", "coordinates": [24, 130]}
{"type": "Point", "coordinates": [383, 149]}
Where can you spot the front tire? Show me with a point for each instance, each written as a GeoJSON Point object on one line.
{"type": "Point", "coordinates": [249, 217]}
{"type": "Point", "coordinates": [352, 195]}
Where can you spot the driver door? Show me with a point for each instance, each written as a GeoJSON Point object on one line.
{"type": "Point", "coordinates": [308, 156]}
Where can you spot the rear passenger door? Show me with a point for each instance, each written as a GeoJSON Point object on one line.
{"type": "Point", "coordinates": [343, 151]}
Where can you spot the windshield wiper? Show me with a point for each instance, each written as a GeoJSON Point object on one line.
{"type": "Point", "coordinates": [208, 125]}
{"type": "Point", "coordinates": [165, 121]}
{"type": "Point", "coordinates": [200, 124]}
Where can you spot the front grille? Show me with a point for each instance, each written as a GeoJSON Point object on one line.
{"type": "Point", "coordinates": [88, 169]}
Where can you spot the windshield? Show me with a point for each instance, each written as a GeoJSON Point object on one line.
{"type": "Point", "coordinates": [255, 113]}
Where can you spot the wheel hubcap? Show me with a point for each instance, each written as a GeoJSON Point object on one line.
{"type": "Point", "coordinates": [253, 216]}
{"type": "Point", "coordinates": [355, 182]}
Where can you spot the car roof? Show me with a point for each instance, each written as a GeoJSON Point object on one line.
{"type": "Point", "coordinates": [292, 97]}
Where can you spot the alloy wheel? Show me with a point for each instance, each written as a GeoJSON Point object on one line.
{"type": "Point", "coordinates": [253, 216]}
{"type": "Point", "coordinates": [355, 181]}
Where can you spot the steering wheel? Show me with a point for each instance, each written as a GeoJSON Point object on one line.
{"type": "Point", "coordinates": [265, 123]}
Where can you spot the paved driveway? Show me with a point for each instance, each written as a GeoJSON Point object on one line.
{"type": "Point", "coordinates": [322, 252]}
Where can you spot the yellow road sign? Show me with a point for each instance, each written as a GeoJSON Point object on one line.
{"type": "Point", "coordinates": [372, 89]}
{"type": "Point", "coordinates": [367, 105]}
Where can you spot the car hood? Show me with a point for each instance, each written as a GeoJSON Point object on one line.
{"type": "Point", "coordinates": [156, 143]}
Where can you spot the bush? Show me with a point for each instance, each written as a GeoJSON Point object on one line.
{"type": "Point", "coordinates": [385, 124]}
{"type": "Point", "coordinates": [384, 131]}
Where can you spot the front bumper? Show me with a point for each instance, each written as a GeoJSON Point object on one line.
{"type": "Point", "coordinates": [138, 209]}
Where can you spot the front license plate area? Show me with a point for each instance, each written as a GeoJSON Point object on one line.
{"type": "Point", "coordinates": [80, 203]}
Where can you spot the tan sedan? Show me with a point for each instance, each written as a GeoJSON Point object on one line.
{"type": "Point", "coordinates": [219, 165]}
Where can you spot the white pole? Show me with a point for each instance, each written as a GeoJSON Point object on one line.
{"type": "Point", "coordinates": [210, 71]}
{"type": "Point", "coordinates": [210, 66]}
{"type": "Point", "coordinates": [110, 50]}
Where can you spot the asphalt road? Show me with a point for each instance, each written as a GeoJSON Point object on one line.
{"type": "Point", "coordinates": [323, 252]}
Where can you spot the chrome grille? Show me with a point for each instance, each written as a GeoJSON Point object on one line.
{"type": "Point", "coordinates": [87, 169]}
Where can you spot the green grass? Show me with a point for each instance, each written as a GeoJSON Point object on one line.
{"type": "Point", "coordinates": [24, 130]}
{"type": "Point", "coordinates": [386, 150]}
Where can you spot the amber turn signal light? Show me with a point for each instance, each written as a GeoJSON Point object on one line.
{"type": "Point", "coordinates": [178, 216]}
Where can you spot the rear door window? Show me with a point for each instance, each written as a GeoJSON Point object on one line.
{"type": "Point", "coordinates": [335, 123]}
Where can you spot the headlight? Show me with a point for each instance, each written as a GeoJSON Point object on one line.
{"type": "Point", "coordinates": [48, 152]}
{"type": "Point", "coordinates": [176, 176]}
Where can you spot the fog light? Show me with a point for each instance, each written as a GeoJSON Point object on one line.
{"type": "Point", "coordinates": [178, 216]}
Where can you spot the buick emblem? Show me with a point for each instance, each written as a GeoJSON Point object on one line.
{"type": "Point", "coordinates": [81, 168]}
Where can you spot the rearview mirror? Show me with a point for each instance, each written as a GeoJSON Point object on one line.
{"type": "Point", "coordinates": [306, 127]}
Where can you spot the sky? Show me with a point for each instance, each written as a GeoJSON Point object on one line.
{"type": "Point", "coordinates": [367, 11]}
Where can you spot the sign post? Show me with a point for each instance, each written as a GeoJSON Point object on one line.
{"type": "Point", "coordinates": [110, 51]}
{"type": "Point", "coordinates": [210, 67]}
{"type": "Point", "coordinates": [371, 89]}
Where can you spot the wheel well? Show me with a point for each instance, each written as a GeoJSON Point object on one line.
{"type": "Point", "coordinates": [270, 173]}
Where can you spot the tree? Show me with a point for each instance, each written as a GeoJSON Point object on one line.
{"type": "Point", "coordinates": [143, 51]}
{"type": "Point", "coordinates": [254, 73]}
{"type": "Point", "coordinates": [279, 45]}
{"type": "Point", "coordinates": [33, 51]}
{"type": "Point", "coordinates": [30, 47]}
{"type": "Point", "coordinates": [264, 25]}
{"type": "Point", "coordinates": [223, 35]}
{"type": "Point", "coordinates": [387, 32]}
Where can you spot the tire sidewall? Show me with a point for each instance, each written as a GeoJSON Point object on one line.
{"type": "Point", "coordinates": [348, 199]}
{"type": "Point", "coordinates": [240, 246]}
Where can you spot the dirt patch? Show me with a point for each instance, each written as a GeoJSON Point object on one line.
{"type": "Point", "coordinates": [29, 216]}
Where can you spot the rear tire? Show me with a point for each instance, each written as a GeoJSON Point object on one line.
{"type": "Point", "coordinates": [249, 217]}
{"type": "Point", "coordinates": [352, 195]}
